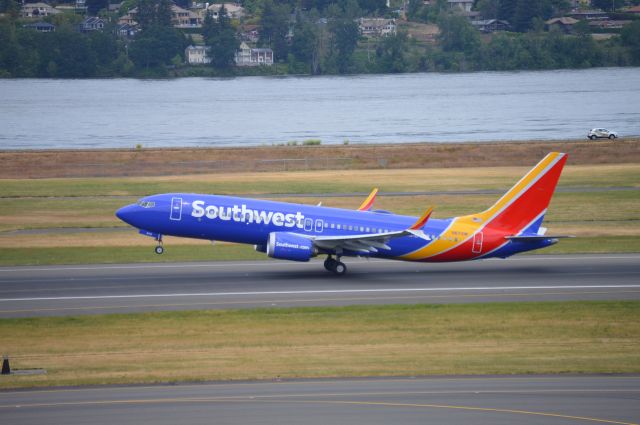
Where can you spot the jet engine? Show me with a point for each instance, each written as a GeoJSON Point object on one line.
{"type": "Point", "coordinates": [289, 246]}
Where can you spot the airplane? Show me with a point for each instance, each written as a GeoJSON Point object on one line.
{"type": "Point", "coordinates": [298, 232]}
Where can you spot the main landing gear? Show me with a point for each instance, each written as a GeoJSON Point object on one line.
{"type": "Point", "coordinates": [335, 266]}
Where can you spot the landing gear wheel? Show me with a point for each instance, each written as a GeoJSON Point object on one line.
{"type": "Point", "coordinates": [159, 249]}
{"type": "Point", "coordinates": [329, 264]}
{"type": "Point", "coordinates": [339, 268]}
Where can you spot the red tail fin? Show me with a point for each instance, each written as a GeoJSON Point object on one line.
{"type": "Point", "coordinates": [527, 201]}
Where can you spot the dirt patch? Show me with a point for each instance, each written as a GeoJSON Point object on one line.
{"type": "Point", "coordinates": [181, 161]}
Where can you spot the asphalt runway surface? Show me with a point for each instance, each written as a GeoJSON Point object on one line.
{"type": "Point", "coordinates": [93, 289]}
{"type": "Point", "coordinates": [490, 400]}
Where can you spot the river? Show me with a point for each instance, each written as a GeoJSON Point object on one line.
{"type": "Point", "coordinates": [249, 111]}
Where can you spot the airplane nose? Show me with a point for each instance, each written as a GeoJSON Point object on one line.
{"type": "Point", "coordinates": [124, 213]}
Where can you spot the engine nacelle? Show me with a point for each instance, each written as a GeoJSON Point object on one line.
{"type": "Point", "coordinates": [289, 246]}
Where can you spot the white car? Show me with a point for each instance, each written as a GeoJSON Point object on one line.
{"type": "Point", "coordinates": [602, 133]}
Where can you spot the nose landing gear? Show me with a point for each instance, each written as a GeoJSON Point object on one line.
{"type": "Point", "coordinates": [335, 266]}
{"type": "Point", "coordinates": [159, 249]}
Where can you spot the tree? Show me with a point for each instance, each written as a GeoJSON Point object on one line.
{"type": "Point", "coordinates": [526, 10]}
{"type": "Point", "coordinates": [413, 8]}
{"type": "Point", "coordinates": [94, 6]}
{"type": "Point", "coordinates": [9, 49]}
{"type": "Point", "coordinates": [155, 47]}
{"type": "Point", "coordinates": [183, 3]}
{"type": "Point", "coordinates": [371, 6]}
{"type": "Point", "coordinates": [609, 5]}
{"type": "Point", "coordinates": [457, 34]}
{"type": "Point", "coordinates": [76, 59]}
{"type": "Point", "coordinates": [345, 34]}
{"type": "Point", "coordinates": [274, 27]}
{"type": "Point", "coordinates": [146, 15]}
{"type": "Point", "coordinates": [582, 28]}
{"type": "Point", "coordinates": [630, 37]}
{"type": "Point", "coordinates": [164, 13]}
{"type": "Point", "coordinates": [488, 8]}
{"type": "Point", "coordinates": [391, 52]}
{"type": "Point", "coordinates": [507, 10]}
{"type": "Point", "coordinates": [106, 50]}
{"type": "Point", "coordinates": [10, 7]}
{"type": "Point", "coordinates": [304, 45]}
{"type": "Point", "coordinates": [154, 13]}
{"type": "Point", "coordinates": [220, 36]}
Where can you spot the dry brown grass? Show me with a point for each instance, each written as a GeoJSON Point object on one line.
{"type": "Point", "coordinates": [422, 179]}
{"type": "Point", "coordinates": [121, 162]}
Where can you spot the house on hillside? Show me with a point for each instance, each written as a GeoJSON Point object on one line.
{"type": "Point", "coordinates": [491, 25]}
{"type": "Point", "coordinates": [197, 55]}
{"type": "Point", "coordinates": [234, 10]}
{"type": "Point", "coordinates": [376, 27]}
{"type": "Point", "coordinates": [41, 26]}
{"type": "Point", "coordinates": [126, 30]}
{"type": "Point", "coordinates": [460, 5]}
{"type": "Point", "coordinates": [247, 56]}
{"type": "Point", "coordinates": [183, 18]}
{"type": "Point", "coordinates": [564, 24]}
{"type": "Point", "coordinates": [589, 15]}
{"type": "Point", "coordinates": [463, 8]}
{"type": "Point", "coordinates": [250, 33]}
{"type": "Point", "coordinates": [180, 18]}
{"type": "Point", "coordinates": [129, 18]}
{"type": "Point", "coordinates": [92, 23]}
{"type": "Point", "coordinates": [37, 10]}
{"type": "Point", "coordinates": [635, 10]}
{"type": "Point", "coordinates": [608, 24]}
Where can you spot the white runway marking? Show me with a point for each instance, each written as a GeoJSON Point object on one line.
{"type": "Point", "coordinates": [324, 292]}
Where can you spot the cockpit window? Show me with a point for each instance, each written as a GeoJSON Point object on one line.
{"type": "Point", "coordinates": [146, 204]}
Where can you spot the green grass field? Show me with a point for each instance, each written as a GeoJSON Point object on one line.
{"type": "Point", "coordinates": [498, 338]}
{"type": "Point", "coordinates": [230, 252]}
{"type": "Point", "coordinates": [332, 181]}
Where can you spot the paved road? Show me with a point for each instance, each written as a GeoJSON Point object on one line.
{"type": "Point", "coordinates": [70, 290]}
{"type": "Point", "coordinates": [449, 400]}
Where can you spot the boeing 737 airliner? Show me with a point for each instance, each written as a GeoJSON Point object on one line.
{"type": "Point", "coordinates": [299, 232]}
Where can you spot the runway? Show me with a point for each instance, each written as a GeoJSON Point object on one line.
{"type": "Point", "coordinates": [93, 289]}
{"type": "Point", "coordinates": [439, 400]}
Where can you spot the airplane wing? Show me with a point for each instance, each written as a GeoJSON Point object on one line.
{"type": "Point", "coordinates": [371, 242]}
{"type": "Point", "coordinates": [368, 203]}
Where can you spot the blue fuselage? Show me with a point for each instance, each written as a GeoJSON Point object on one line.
{"type": "Point", "coordinates": [250, 221]}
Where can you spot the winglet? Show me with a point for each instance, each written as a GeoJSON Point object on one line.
{"type": "Point", "coordinates": [368, 203]}
{"type": "Point", "coordinates": [422, 220]}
